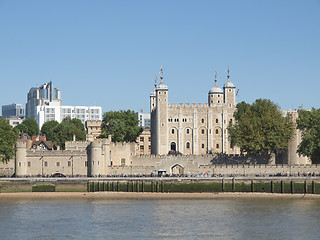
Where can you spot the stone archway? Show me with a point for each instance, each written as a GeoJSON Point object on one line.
{"type": "Point", "coordinates": [177, 169]}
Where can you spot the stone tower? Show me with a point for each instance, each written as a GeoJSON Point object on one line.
{"type": "Point", "coordinates": [215, 95]}
{"type": "Point", "coordinates": [20, 159]}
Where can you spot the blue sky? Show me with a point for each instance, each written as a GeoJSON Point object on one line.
{"type": "Point", "coordinates": [106, 53]}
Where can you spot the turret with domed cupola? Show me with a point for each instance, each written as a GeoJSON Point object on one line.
{"type": "Point", "coordinates": [215, 95]}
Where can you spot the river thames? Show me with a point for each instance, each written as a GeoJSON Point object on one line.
{"type": "Point", "coordinates": [253, 218]}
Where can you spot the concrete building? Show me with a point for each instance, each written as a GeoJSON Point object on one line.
{"type": "Point", "coordinates": [45, 95]}
{"type": "Point", "coordinates": [45, 104]}
{"type": "Point", "coordinates": [144, 119]}
{"type": "Point", "coordinates": [192, 129]}
{"type": "Point", "coordinates": [13, 111]}
{"type": "Point", "coordinates": [144, 142]}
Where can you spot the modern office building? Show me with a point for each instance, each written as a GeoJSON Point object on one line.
{"type": "Point", "coordinates": [144, 119]}
{"type": "Point", "coordinates": [45, 95]}
{"type": "Point", "coordinates": [13, 111]}
{"type": "Point", "coordinates": [45, 104]}
{"type": "Point", "coordinates": [58, 113]}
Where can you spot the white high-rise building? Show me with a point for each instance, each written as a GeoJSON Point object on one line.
{"type": "Point", "coordinates": [45, 104]}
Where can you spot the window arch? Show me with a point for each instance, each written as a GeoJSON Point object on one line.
{"type": "Point", "coordinates": [217, 120]}
{"type": "Point", "coordinates": [217, 146]}
{"type": "Point", "coordinates": [202, 145]}
{"type": "Point", "coordinates": [188, 131]}
{"type": "Point", "coordinates": [202, 120]}
{"type": "Point", "coordinates": [172, 130]}
{"type": "Point", "coordinates": [217, 131]}
{"type": "Point", "coordinates": [202, 131]}
{"type": "Point", "coordinates": [187, 145]}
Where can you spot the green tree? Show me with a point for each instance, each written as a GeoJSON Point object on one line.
{"type": "Point", "coordinates": [309, 124]}
{"type": "Point", "coordinates": [122, 125]}
{"type": "Point", "coordinates": [48, 129]}
{"type": "Point", "coordinates": [8, 137]}
{"type": "Point", "coordinates": [260, 128]}
{"type": "Point", "coordinates": [67, 129]}
{"type": "Point", "coordinates": [29, 126]}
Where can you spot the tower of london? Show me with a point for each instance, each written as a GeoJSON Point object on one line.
{"type": "Point", "coordinates": [192, 129]}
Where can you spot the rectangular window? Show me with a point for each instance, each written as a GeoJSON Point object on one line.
{"type": "Point", "coordinates": [58, 164]}
{"type": "Point", "coordinates": [123, 161]}
{"type": "Point", "coordinates": [141, 147]}
{"type": "Point", "coordinates": [86, 164]}
{"type": "Point", "coordinates": [141, 139]}
{"type": "Point", "coordinates": [29, 164]}
{"type": "Point", "coordinates": [69, 163]}
{"type": "Point", "coordinates": [19, 164]}
{"type": "Point", "coordinates": [46, 164]}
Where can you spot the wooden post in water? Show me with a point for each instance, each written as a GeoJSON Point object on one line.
{"type": "Point", "coordinates": [252, 185]}
{"type": "Point", "coordinates": [137, 186]}
{"type": "Point", "coordinates": [313, 187]}
{"type": "Point", "coordinates": [117, 186]}
{"type": "Point", "coordinates": [222, 185]}
{"type": "Point", "coordinates": [103, 187]}
{"type": "Point", "coordinates": [162, 186]}
{"type": "Point", "coordinates": [305, 187]}
{"type": "Point", "coordinates": [152, 186]}
{"type": "Point", "coordinates": [112, 186]}
{"type": "Point", "coordinates": [142, 186]}
{"type": "Point", "coordinates": [233, 185]}
{"type": "Point", "coordinates": [108, 186]}
{"type": "Point", "coordinates": [282, 186]}
{"type": "Point", "coordinates": [88, 186]}
{"type": "Point", "coordinates": [292, 187]}
{"type": "Point", "coordinates": [132, 186]}
{"type": "Point", "coordinates": [272, 187]}
{"type": "Point", "coordinates": [127, 186]}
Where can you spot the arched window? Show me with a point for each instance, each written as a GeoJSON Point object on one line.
{"type": "Point", "coordinates": [188, 131]}
{"type": "Point", "coordinates": [187, 145]}
{"type": "Point", "coordinates": [172, 130]}
{"type": "Point", "coordinates": [173, 146]}
{"type": "Point", "coordinates": [202, 131]}
{"type": "Point", "coordinates": [202, 145]}
{"type": "Point", "coordinates": [217, 146]}
{"type": "Point", "coordinates": [202, 120]}
{"type": "Point", "coordinates": [217, 120]}
{"type": "Point", "coordinates": [217, 131]}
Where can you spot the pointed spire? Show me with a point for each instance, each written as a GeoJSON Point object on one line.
{"type": "Point", "coordinates": [228, 71]}
{"type": "Point", "coordinates": [155, 81]}
{"type": "Point", "coordinates": [161, 73]}
{"type": "Point", "coordinates": [215, 78]}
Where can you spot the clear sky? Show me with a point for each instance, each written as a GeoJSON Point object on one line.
{"type": "Point", "coordinates": [107, 53]}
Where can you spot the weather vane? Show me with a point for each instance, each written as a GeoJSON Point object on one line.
{"type": "Point", "coordinates": [155, 80]}
{"type": "Point", "coordinates": [161, 73]}
{"type": "Point", "coordinates": [215, 76]}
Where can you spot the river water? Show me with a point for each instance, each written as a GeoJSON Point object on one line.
{"type": "Point", "coordinates": [161, 219]}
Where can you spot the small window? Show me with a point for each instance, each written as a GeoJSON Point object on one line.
{"type": "Point", "coordinates": [29, 164]}
{"type": "Point", "coordinates": [149, 139]}
{"type": "Point", "coordinates": [58, 164]}
{"type": "Point", "coordinates": [218, 101]}
{"type": "Point", "coordinates": [86, 164]}
{"type": "Point", "coordinates": [187, 145]}
{"type": "Point", "coordinates": [172, 131]}
{"type": "Point", "coordinates": [188, 131]}
{"type": "Point", "coordinates": [141, 139]}
{"type": "Point", "coordinates": [19, 164]}
{"type": "Point", "coordinates": [202, 145]}
{"type": "Point", "coordinates": [218, 95]}
{"type": "Point", "coordinates": [46, 164]}
{"type": "Point", "coordinates": [149, 147]}
{"type": "Point", "coordinates": [217, 145]}
{"type": "Point", "coordinates": [230, 120]}
{"type": "Point", "coordinates": [217, 121]}
{"type": "Point", "coordinates": [123, 161]}
{"type": "Point", "coordinates": [202, 120]}
{"type": "Point", "coordinates": [217, 131]}
{"type": "Point", "coordinates": [202, 131]}
{"type": "Point", "coordinates": [141, 147]}
{"type": "Point", "coordinates": [69, 163]}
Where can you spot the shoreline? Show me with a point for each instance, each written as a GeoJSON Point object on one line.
{"type": "Point", "coordinates": [146, 196]}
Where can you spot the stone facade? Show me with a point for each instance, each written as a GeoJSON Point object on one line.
{"type": "Point", "coordinates": [192, 129]}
